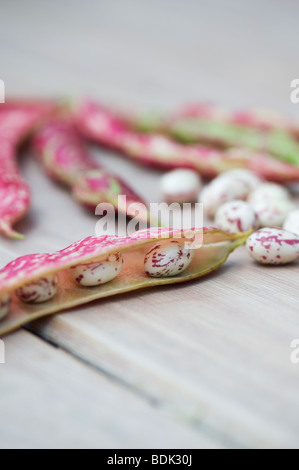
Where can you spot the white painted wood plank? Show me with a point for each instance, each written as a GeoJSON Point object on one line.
{"type": "Point", "coordinates": [51, 400]}
{"type": "Point", "coordinates": [132, 52]}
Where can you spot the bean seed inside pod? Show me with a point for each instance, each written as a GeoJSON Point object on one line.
{"type": "Point", "coordinates": [166, 260]}
{"type": "Point", "coordinates": [180, 186]}
{"type": "Point", "coordinates": [236, 216]}
{"type": "Point", "coordinates": [273, 246]}
{"type": "Point", "coordinates": [292, 222]}
{"type": "Point", "coordinates": [99, 272]}
{"type": "Point", "coordinates": [5, 301]}
{"type": "Point", "coordinates": [38, 291]}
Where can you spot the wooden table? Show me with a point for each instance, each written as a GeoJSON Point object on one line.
{"type": "Point", "coordinates": [202, 365]}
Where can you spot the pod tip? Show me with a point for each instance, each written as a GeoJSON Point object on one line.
{"type": "Point", "coordinates": [9, 232]}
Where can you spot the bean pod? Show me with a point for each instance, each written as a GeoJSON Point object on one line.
{"type": "Point", "coordinates": [256, 118]}
{"type": "Point", "coordinates": [66, 159]}
{"type": "Point", "coordinates": [258, 130]}
{"type": "Point", "coordinates": [99, 267]}
{"type": "Point", "coordinates": [101, 125]}
{"type": "Point", "coordinates": [17, 120]}
{"type": "Point", "coordinates": [5, 301]}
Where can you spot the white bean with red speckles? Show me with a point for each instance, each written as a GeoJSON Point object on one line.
{"type": "Point", "coordinates": [267, 192]}
{"type": "Point", "coordinates": [5, 301]}
{"type": "Point", "coordinates": [273, 246]}
{"type": "Point", "coordinates": [236, 216]}
{"type": "Point", "coordinates": [38, 291]}
{"type": "Point", "coordinates": [229, 186]}
{"type": "Point", "coordinates": [166, 260]}
{"type": "Point", "coordinates": [292, 222]}
{"type": "Point", "coordinates": [98, 272]}
{"type": "Point", "coordinates": [272, 213]}
{"type": "Point", "coordinates": [247, 177]}
{"type": "Point", "coordinates": [220, 191]}
{"type": "Point", "coordinates": [180, 186]}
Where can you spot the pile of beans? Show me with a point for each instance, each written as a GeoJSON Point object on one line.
{"type": "Point", "coordinates": [239, 201]}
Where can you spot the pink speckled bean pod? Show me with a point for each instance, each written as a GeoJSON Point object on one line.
{"type": "Point", "coordinates": [93, 261]}
{"type": "Point", "coordinates": [257, 130]}
{"type": "Point", "coordinates": [66, 159]}
{"type": "Point", "coordinates": [17, 120]}
{"type": "Point", "coordinates": [98, 124]}
{"type": "Point", "coordinates": [263, 119]}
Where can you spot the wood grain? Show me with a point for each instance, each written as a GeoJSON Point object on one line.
{"type": "Point", "coordinates": [214, 355]}
{"type": "Point", "coordinates": [216, 351]}
{"type": "Point", "coordinates": [56, 401]}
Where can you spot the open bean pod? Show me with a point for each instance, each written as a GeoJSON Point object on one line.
{"type": "Point", "coordinates": [66, 159]}
{"type": "Point", "coordinates": [100, 125]}
{"type": "Point", "coordinates": [17, 120]}
{"type": "Point", "coordinates": [37, 285]}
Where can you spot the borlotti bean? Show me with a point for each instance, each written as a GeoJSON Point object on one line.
{"type": "Point", "coordinates": [236, 216]}
{"type": "Point", "coordinates": [267, 192]}
{"type": "Point", "coordinates": [273, 212]}
{"type": "Point", "coordinates": [292, 222]}
{"type": "Point", "coordinates": [100, 272]}
{"type": "Point", "coordinates": [167, 260]}
{"type": "Point", "coordinates": [273, 246]}
{"type": "Point", "coordinates": [180, 186]}
{"type": "Point", "coordinates": [38, 291]}
{"type": "Point", "coordinates": [5, 301]}
{"type": "Point", "coordinates": [249, 178]}
{"type": "Point", "coordinates": [73, 268]}
{"type": "Point", "coordinates": [230, 186]}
